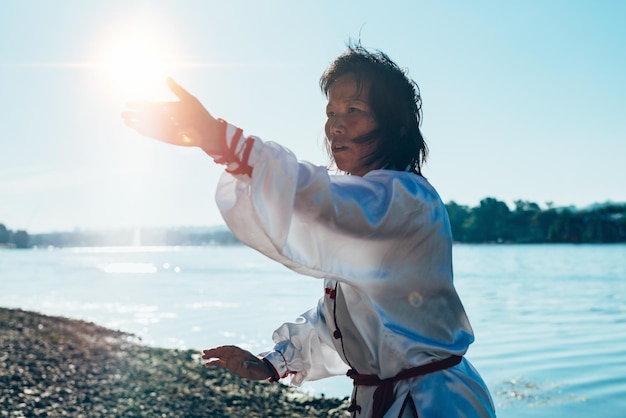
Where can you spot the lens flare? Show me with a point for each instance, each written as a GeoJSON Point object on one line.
{"type": "Point", "coordinates": [416, 299]}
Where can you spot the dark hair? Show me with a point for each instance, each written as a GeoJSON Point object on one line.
{"type": "Point", "coordinates": [395, 101]}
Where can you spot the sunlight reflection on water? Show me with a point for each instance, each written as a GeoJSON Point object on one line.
{"type": "Point", "coordinates": [129, 268]}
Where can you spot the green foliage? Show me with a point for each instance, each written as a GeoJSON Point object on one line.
{"type": "Point", "coordinates": [493, 221]}
{"type": "Point", "coordinates": [8, 238]}
{"type": "Point", "coordinates": [21, 239]}
{"type": "Point", "coordinates": [4, 235]}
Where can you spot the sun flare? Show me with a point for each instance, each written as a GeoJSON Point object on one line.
{"type": "Point", "coordinates": [137, 62]}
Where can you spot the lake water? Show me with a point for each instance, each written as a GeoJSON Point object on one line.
{"type": "Point", "coordinates": [550, 320]}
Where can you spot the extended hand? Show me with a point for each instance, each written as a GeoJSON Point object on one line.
{"type": "Point", "coordinates": [239, 361]}
{"type": "Point", "coordinates": [185, 122]}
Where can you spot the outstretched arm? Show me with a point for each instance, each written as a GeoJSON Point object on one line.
{"type": "Point", "coordinates": [184, 122]}
{"type": "Point", "coordinates": [239, 361]}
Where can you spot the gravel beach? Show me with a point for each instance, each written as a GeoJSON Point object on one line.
{"type": "Point", "coordinates": [53, 367]}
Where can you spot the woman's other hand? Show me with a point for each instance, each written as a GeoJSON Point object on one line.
{"type": "Point", "coordinates": [184, 122]}
{"type": "Point", "coordinates": [239, 361]}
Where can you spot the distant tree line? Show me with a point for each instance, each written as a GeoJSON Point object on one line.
{"type": "Point", "coordinates": [493, 221]}
{"type": "Point", "coordinates": [17, 239]}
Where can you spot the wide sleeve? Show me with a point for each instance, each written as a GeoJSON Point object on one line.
{"type": "Point", "coordinates": [304, 349]}
{"type": "Point", "coordinates": [299, 215]}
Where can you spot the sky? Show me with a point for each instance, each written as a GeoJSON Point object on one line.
{"type": "Point", "coordinates": [522, 100]}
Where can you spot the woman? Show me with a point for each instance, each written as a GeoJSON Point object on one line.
{"type": "Point", "coordinates": [379, 238]}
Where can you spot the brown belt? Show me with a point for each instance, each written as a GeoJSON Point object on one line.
{"type": "Point", "coordinates": [383, 395]}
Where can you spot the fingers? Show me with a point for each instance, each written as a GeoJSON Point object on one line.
{"type": "Point", "coordinates": [217, 351]}
{"type": "Point", "coordinates": [131, 119]}
{"type": "Point", "coordinates": [177, 89]}
{"type": "Point", "coordinates": [216, 362]}
{"type": "Point", "coordinates": [137, 111]}
{"type": "Point", "coordinates": [128, 116]}
{"type": "Point", "coordinates": [217, 356]}
{"type": "Point", "coordinates": [226, 356]}
{"type": "Point", "coordinates": [239, 361]}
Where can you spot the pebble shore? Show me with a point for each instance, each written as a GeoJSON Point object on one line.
{"type": "Point", "coordinates": [59, 367]}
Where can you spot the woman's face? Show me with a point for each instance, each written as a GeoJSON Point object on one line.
{"type": "Point", "coordinates": [349, 118]}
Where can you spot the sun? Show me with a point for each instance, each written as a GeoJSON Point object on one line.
{"type": "Point", "coordinates": [133, 59]}
{"type": "Point", "coordinates": [137, 61]}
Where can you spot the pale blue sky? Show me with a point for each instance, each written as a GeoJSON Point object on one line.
{"type": "Point", "coordinates": [522, 99]}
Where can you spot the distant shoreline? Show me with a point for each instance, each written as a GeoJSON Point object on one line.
{"type": "Point", "coordinates": [65, 367]}
{"type": "Point", "coordinates": [490, 222]}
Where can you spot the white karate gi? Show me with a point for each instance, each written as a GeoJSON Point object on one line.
{"type": "Point", "coordinates": [383, 243]}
